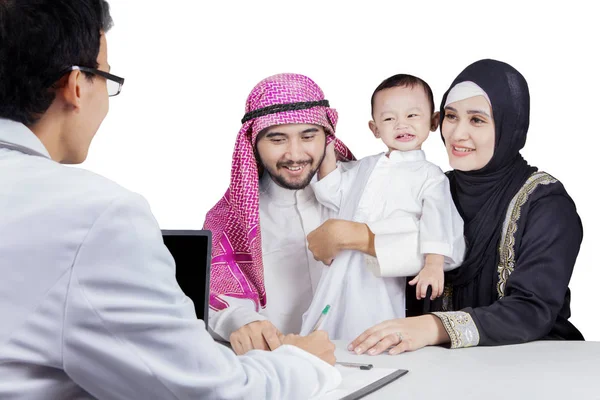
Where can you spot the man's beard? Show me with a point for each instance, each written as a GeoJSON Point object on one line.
{"type": "Point", "coordinates": [281, 181]}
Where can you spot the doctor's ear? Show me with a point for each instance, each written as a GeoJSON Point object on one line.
{"type": "Point", "coordinates": [374, 129]}
{"type": "Point", "coordinates": [435, 121]}
{"type": "Point", "coordinates": [69, 89]}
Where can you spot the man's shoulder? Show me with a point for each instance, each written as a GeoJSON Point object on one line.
{"type": "Point", "coordinates": [79, 193]}
{"type": "Point", "coordinates": [89, 185]}
{"type": "Point", "coordinates": [56, 207]}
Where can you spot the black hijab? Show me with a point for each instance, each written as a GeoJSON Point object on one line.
{"type": "Point", "coordinates": [482, 196]}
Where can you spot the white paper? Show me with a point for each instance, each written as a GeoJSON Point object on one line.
{"type": "Point", "coordinates": [354, 379]}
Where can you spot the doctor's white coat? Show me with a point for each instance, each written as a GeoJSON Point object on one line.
{"type": "Point", "coordinates": [89, 304]}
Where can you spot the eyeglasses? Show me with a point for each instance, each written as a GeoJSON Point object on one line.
{"type": "Point", "coordinates": [113, 82]}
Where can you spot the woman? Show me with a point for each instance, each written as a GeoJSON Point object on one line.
{"type": "Point", "coordinates": [521, 227]}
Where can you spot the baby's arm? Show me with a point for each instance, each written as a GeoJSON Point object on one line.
{"type": "Point", "coordinates": [334, 180]}
{"type": "Point", "coordinates": [396, 246]}
{"type": "Point", "coordinates": [328, 190]}
{"type": "Point", "coordinates": [440, 226]}
{"type": "Point", "coordinates": [432, 275]}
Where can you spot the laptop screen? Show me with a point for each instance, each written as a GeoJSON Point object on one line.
{"type": "Point", "coordinates": [192, 253]}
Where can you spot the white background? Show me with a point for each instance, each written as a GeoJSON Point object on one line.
{"type": "Point", "coordinates": [189, 66]}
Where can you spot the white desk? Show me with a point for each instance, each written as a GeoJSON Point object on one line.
{"type": "Point", "coordinates": [538, 370]}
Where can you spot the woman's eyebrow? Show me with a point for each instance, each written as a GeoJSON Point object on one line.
{"type": "Point", "coordinates": [478, 112]}
{"type": "Point", "coordinates": [469, 111]}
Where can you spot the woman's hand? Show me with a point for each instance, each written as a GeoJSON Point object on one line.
{"type": "Point", "coordinates": [403, 334]}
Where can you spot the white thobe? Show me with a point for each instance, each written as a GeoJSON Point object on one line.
{"type": "Point", "coordinates": [291, 272]}
{"type": "Point", "coordinates": [404, 193]}
{"type": "Point", "coordinates": [89, 303]}
{"type": "Point", "coordinates": [405, 200]}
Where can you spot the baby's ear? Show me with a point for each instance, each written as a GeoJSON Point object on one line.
{"type": "Point", "coordinates": [374, 129]}
{"type": "Point", "coordinates": [435, 121]}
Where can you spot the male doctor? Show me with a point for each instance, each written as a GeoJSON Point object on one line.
{"type": "Point", "coordinates": [89, 304]}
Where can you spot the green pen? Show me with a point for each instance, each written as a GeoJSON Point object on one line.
{"type": "Point", "coordinates": [321, 318]}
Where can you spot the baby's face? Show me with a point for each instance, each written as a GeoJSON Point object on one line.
{"type": "Point", "coordinates": [402, 117]}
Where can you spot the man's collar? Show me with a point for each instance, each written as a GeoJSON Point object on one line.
{"type": "Point", "coordinates": [281, 195]}
{"type": "Point", "coordinates": [16, 136]}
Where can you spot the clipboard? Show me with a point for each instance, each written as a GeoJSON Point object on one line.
{"type": "Point", "coordinates": [376, 385]}
{"type": "Point", "coordinates": [353, 387]}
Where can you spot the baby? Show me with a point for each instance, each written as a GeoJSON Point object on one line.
{"type": "Point", "coordinates": [406, 200]}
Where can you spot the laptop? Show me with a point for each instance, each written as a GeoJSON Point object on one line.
{"type": "Point", "coordinates": [191, 250]}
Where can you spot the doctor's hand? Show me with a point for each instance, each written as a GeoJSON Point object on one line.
{"type": "Point", "coordinates": [257, 335]}
{"type": "Point", "coordinates": [335, 235]}
{"type": "Point", "coordinates": [317, 344]}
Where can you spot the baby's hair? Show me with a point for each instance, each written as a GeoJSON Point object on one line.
{"type": "Point", "coordinates": [404, 80]}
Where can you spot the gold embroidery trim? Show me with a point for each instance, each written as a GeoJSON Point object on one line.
{"type": "Point", "coordinates": [506, 249]}
{"type": "Point", "coordinates": [460, 327]}
{"type": "Point", "coordinates": [447, 298]}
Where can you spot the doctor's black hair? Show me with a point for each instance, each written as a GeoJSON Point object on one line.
{"type": "Point", "coordinates": [38, 40]}
{"type": "Point", "coordinates": [404, 80]}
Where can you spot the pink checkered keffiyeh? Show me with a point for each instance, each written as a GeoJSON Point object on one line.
{"type": "Point", "coordinates": [237, 267]}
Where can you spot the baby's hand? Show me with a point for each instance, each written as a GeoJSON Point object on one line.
{"type": "Point", "coordinates": [431, 275]}
{"type": "Point", "coordinates": [329, 162]}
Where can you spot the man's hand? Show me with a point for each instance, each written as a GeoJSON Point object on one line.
{"type": "Point", "coordinates": [335, 235]}
{"type": "Point", "coordinates": [317, 343]}
{"type": "Point", "coordinates": [432, 275]}
{"type": "Point", "coordinates": [259, 335]}
{"type": "Point", "coordinates": [324, 242]}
